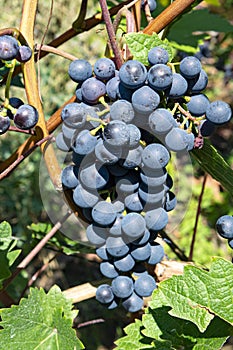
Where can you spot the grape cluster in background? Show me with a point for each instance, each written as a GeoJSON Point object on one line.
{"type": "Point", "coordinates": [24, 116]}
{"type": "Point", "coordinates": [121, 133]}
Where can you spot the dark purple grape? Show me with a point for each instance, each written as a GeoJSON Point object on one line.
{"type": "Point", "coordinates": [160, 77]}
{"type": "Point", "coordinates": [14, 102]}
{"type": "Point", "coordinates": [92, 89]}
{"type": "Point", "coordinates": [104, 294]}
{"type": "Point", "coordinates": [144, 285]}
{"type": "Point", "coordinates": [80, 70]}
{"type": "Point", "coordinates": [145, 100]}
{"type": "Point", "coordinates": [9, 47]}
{"type": "Point", "coordinates": [158, 55]}
{"type": "Point", "coordinates": [24, 54]}
{"type": "Point", "coordinates": [178, 87]}
{"type": "Point", "coordinates": [133, 74]}
{"type": "Point", "coordinates": [26, 117]}
{"type": "Point", "coordinates": [122, 286]}
{"type": "Point", "coordinates": [224, 226]}
{"type": "Point", "coordinates": [104, 68]}
{"type": "Point", "coordinates": [198, 104]}
{"type": "Point", "coordinates": [116, 133]}
{"type": "Point", "coordinates": [4, 124]}
{"type": "Point", "coordinates": [151, 3]}
{"type": "Point", "coordinates": [190, 67]}
{"type": "Point", "coordinates": [133, 303]}
{"type": "Point", "coordinates": [218, 112]}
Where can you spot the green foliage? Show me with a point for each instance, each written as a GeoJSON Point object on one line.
{"type": "Point", "coordinates": [214, 164]}
{"type": "Point", "coordinates": [8, 254]}
{"type": "Point", "coordinates": [187, 312]}
{"type": "Point", "coordinates": [181, 31]}
{"type": "Point", "coordinates": [140, 44]}
{"type": "Point", "coordinates": [47, 323]}
{"type": "Point", "coordinates": [58, 241]}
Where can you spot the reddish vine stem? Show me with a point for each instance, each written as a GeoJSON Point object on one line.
{"type": "Point", "coordinates": [37, 274]}
{"type": "Point", "coordinates": [111, 34]}
{"type": "Point", "coordinates": [35, 251]}
{"type": "Point", "coordinates": [10, 168]}
{"type": "Point", "coordinates": [197, 218]}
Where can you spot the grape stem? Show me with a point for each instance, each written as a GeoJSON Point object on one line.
{"type": "Point", "coordinates": [55, 51]}
{"type": "Point", "coordinates": [167, 16]}
{"type": "Point", "coordinates": [111, 34]}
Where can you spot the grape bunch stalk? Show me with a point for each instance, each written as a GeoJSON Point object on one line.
{"type": "Point", "coordinates": [24, 116]}
{"type": "Point", "coordinates": [121, 132]}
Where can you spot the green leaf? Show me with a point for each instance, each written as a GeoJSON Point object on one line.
{"type": "Point", "coordinates": [193, 296]}
{"type": "Point", "coordinates": [213, 2]}
{"type": "Point", "coordinates": [214, 164]}
{"type": "Point", "coordinates": [181, 31]}
{"type": "Point", "coordinates": [40, 322]}
{"type": "Point", "coordinates": [7, 254]}
{"type": "Point", "coordinates": [186, 312]}
{"type": "Point", "coordinates": [59, 241]}
{"type": "Point", "coordinates": [134, 339]}
{"type": "Point", "coordinates": [140, 44]}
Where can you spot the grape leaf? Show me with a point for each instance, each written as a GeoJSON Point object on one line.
{"type": "Point", "coordinates": [214, 164]}
{"type": "Point", "coordinates": [8, 254]}
{"type": "Point", "coordinates": [41, 321]}
{"type": "Point", "coordinates": [140, 44]}
{"type": "Point", "coordinates": [187, 312]}
{"type": "Point", "coordinates": [181, 31]}
{"type": "Point", "coordinates": [193, 296]}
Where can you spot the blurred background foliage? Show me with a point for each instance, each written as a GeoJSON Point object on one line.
{"type": "Point", "coordinates": [21, 203]}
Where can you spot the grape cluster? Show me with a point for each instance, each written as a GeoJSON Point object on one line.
{"type": "Point", "coordinates": [224, 227]}
{"type": "Point", "coordinates": [23, 115]}
{"type": "Point", "coordinates": [120, 149]}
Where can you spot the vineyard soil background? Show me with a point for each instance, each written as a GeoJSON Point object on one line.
{"type": "Point", "coordinates": [44, 247]}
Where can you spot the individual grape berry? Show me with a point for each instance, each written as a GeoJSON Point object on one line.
{"type": "Point", "coordinates": [112, 88]}
{"type": "Point", "coordinates": [106, 153]}
{"type": "Point", "coordinates": [144, 285]}
{"type": "Point", "coordinates": [132, 158]}
{"type": "Point", "coordinates": [157, 254]}
{"type": "Point", "coordinates": [122, 110]}
{"type": "Point", "coordinates": [158, 55]}
{"type": "Point", "coordinates": [74, 115]}
{"type": "Point", "coordinates": [224, 226]}
{"type": "Point", "coordinates": [133, 303]}
{"type": "Point", "coordinates": [122, 286]}
{"type": "Point", "coordinates": [155, 156]}
{"type": "Point", "coordinates": [198, 83]}
{"type": "Point", "coordinates": [96, 235]}
{"type": "Point", "coordinates": [108, 269]}
{"type": "Point", "coordinates": [198, 104]}
{"type": "Point", "coordinates": [104, 213]}
{"type": "Point", "coordinates": [14, 102]}
{"type": "Point", "coordinates": [104, 294]}
{"type": "Point", "coordinates": [116, 133]}
{"type": "Point", "coordinates": [134, 135]}
{"type": "Point", "coordinates": [85, 198]}
{"type": "Point", "coordinates": [92, 89]}
{"type": "Point", "coordinates": [178, 140]}
{"type": "Point", "coordinates": [190, 67]}
{"type": "Point", "coordinates": [178, 87]}
{"type": "Point", "coordinates": [84, 143]}
{"type": "Point", "coordinates": [4, 124]}
{"type": "Point", "coordinates": [62, 143]}
{"type": "Point", "coordinates": [69, 176]}
{"type": "Point", "coordinates": [142, 252]}
{"type": "Point", "coordinates": [104, 68]}
{"type": "Point", "coordinates": [156, 219]}
{"type": "Point", "coordinates": [133, 225]}
{"type": "Point", "coordinates": [206, 128]}
{"type": "Point", "coordinates": [125, 263]}
{"type": "Point", "coordinates": [133, 202]}
{"type": "Point", "coordinates": [145, 100]}
{"type": "Point", "coordinates": [160, 77]}
{"type": "Point", "coordinates": [230, 243]}
{"type": "Point", "coordinates": [24, 54]}
{"type": "Point", "coordinates": [116, 247]}
{"type": "Point", "coordinates": [161, 121]}
{"type": "Point", "coordinates": [26, 117]}
{"type": "Point", "coordinates": [133, 74]}
{"type": "Point", "coordinates": [151, 3]}
{"type": "Point", "coordinates": [80, 70]}
{"type": "Point", "coordinates": [9, 47]}
{"type": "Point", "coordinates": [170, 201]}
{"type": "Point", "coordinates": [93, 176]}
{"type": "Point", "coordinates": [218, 112]}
